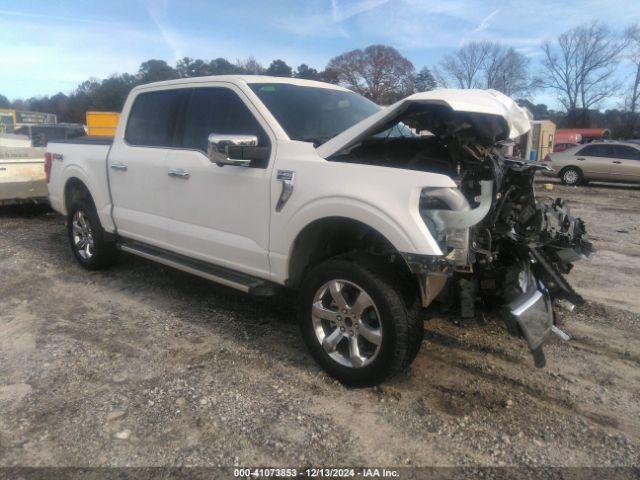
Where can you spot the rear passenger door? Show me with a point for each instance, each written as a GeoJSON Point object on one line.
{"type": "Point", "coordinates": [626, 163]}
{"type": "Point", "coordinates": [219, 214]}
{"type": "Point", "coordinates": [595, 161]}
{"type": "Point", "coordinates": [137, 166]}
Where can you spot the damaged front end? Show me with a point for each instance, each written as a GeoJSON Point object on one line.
{"type": "Point", "coordinates": [502, 245]}
{"type": "Point", "coordinates": [517, 253]}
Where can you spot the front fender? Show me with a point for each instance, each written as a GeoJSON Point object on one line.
{"type": "Point", "coordinates": [385, 199]}
{"type": "Point", "coordinates": [407, 233]}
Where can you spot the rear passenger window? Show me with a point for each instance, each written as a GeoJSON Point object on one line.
{"type": "Point", "coordinates": [217, 110]}
{"type": "Point", "coordinates": [630, 153]}
{"type": "Point", "coordinates": [152, 118]}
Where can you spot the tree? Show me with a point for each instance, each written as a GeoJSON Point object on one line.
{"type": "Point", "coordinates": [425, 81]}
{"type": "Point", "coordinates": [222, 66]}
{"type": "Point", "coordinates": [329, 75]}
{"type": "Point", "coordinates": [632, 100]}
{"type": "Point", "coordinates": [112, 92]}
{"type": "Point", "coordinates": [304, 71]}
{"type": "Point", "coordinates": [250, 66]}
{"type": "Point", "coordinates": [378, 72]}
{"type": "Point", "coordinates": [4, 102]}
{"type": "Point", "coordinates": [507, 71]}
{"type": "Point", "coordinates": [464, 67]}
{"type": "Point", "coordinates": [580, 66]}
{"type": "Point", "coordinates": [279, 68]}
{"type": "Point", "coordinates": [539, 111]}
{"type": "Point", "coordinates": [188, 67]}
{"type": "Point", "coordinates": [155, 71]}
{"type": "Point", "coordinates": [487, 64]}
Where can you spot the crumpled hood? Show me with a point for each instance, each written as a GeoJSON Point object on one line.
{"type": "Point", "coordinates": [492, 114]}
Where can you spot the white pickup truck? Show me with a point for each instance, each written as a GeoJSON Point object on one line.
{"type": "Point", "coordinates": [368, 213]}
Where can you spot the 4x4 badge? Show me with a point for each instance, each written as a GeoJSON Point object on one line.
{"type": "Point", "coordinates": [287, 177]}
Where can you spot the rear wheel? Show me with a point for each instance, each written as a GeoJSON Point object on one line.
{"type": "Point", "coordinates": [571, 176]}
{"type": "Point", "coordinates": [357, 322]}
{"type": "Point", "coordinates": [87, 237]}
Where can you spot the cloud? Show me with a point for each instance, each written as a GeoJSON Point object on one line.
{"type": "Point", "coordinates": [157, 10]}
{"type": "Point", "coordinates": [341, 11]}
{"type": "Point", "coordinates": [12, 13]}
{"type": "Point", "coordinates": [486, 21]}
{"type": "Point", "coordinates": [316, 20]}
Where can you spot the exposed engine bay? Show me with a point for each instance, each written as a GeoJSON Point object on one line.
{"type": "Point", "coordinates": [502, 246]}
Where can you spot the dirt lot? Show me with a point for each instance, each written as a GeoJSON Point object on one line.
{"type": "Point", "coordinates": [143, 365]}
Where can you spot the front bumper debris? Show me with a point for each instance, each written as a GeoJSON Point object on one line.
{"type": "Point", "coordinates": [533, 313]}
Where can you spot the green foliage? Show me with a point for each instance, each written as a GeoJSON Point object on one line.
{"type": "Point", "coordinates": [304, 71]}
{"type": "Point", "coordinates": [4, 102]}
{"type": "Point", "coordinates": [279, 68]}
{"type": "Point", "coordinates": [156, 71]}
{"type": "Point", "coordinates": [425, 81]}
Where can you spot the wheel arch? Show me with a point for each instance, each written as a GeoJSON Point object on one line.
{"type": "Point", "coordinates": [74, 187]}
{"type": "Point", "coordinates": [331, 236]}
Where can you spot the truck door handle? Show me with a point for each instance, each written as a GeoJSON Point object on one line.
{"type": "Point", "coordinates": [178, 172]}
{"type": "Point", "coordinates": [581, 159]}
{"type": "Point", "coordinates": [119, 166]}
{"type": "Point", "coordinates": [615, 161]}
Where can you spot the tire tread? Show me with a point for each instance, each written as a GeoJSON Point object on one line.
{"type": "Point", "coordinates": [403, 309]}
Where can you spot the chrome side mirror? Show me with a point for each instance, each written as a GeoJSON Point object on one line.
{"type": "Point", "coordinates": [219, 152]}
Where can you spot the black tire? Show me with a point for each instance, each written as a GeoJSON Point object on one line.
{"type": "Point", "coordinates": [571, 176]}
{"type": "Point", "coordinates": [394, 307]}
{"type": "Point", "coordinates": [103, 253]}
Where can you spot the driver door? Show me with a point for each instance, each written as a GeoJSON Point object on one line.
{"type": "Point", "coordinates": [219, 214]}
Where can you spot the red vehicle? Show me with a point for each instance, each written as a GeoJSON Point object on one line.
{"type": "Point", "coordinates": [561, 147]}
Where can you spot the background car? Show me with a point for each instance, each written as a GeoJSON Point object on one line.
{"type": "Point", "coordinates": [605, 161]}
{"type": "Point", "coordinates": [561, 147]}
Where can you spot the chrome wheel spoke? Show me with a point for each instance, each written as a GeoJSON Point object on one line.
{"type": "Point", "coordinates": [361, 304]}
{"type": "Point", "coordinates": [317, 310]}
{"type": "Point", "coordinates": [357, 360]}
{"type": "Point", "coordinates": [347, 323]}
{"type": "Point", "coordinates": [372, 335]}
{"type": "Point", "coordinates": [76, 228]}
{"type": "Point", "coordinates": [335, 288]}
{"type": "Point", "coordinates": [331, 341]}
{"type": "Point", "coordinates": [82, 221]}
{"type": "Point", "coordinates": [82, 235]}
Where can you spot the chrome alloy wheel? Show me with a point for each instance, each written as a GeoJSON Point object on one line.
{"type": "Point", "coordinates": [570, 177]}
{"type": "Point", "coordinates": [347, 323]}
{"type": "Point", "coordinates": [82, 235]}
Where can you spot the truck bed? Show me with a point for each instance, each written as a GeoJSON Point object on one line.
{"type": "Point", "coordinates": [22, 174]}
{"type": "Point", "coordinates": [87, 140]}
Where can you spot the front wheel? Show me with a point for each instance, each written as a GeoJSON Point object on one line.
{"type": "Point", "coordinates": [358, 322]}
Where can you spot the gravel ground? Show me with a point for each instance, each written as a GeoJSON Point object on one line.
{"type": "Point", "coordinates": [141, 365]}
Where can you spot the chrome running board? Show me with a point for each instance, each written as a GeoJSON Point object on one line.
{"type": "Point", "coordinates": [217, 274]}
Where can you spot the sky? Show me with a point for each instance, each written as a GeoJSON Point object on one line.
{"type": "Point", "coordinates": [47, 46]}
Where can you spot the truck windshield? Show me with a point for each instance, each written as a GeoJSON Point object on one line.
{"type": "Point", "coordinates": [313, 114]}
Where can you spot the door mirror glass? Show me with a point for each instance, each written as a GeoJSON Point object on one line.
{"type": "Point", "coordinates": [226, 149]}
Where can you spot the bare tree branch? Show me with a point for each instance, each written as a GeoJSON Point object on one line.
{"type": "Point", "coordinates": [486, 64]}
{"type": "Point", "coordinates": [581, 65]}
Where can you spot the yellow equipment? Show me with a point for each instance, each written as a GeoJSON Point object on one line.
{"type": "Point", "coordinates": [102, 124]}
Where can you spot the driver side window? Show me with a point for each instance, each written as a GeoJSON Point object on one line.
{"type": "Point", "coordinates": [217, 110]}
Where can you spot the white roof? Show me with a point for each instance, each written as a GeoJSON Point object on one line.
{"type": "Point", "coordinates": [245, 79]}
